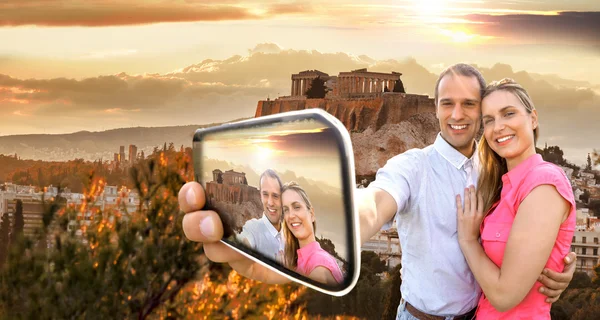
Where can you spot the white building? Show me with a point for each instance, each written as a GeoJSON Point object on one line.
{"type": "Point", "coordinates": [585, 245]}
{"type": "Point", "coordinates": [387, 245]}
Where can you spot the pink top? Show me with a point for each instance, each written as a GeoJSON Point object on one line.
{"type": "Point", "coordinates": [516, 185]}
{"type": "Point", "coordinates": [312, 256]}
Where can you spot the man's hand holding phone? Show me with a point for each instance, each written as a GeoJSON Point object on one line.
{"type": "Point", "coordinates": [205, 226]}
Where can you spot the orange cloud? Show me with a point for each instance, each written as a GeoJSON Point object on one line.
{"type": "Point", "coordinates": [97, 13]}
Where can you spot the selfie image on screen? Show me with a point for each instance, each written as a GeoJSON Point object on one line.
{"type": "Point", "coordinates": [279, 189]}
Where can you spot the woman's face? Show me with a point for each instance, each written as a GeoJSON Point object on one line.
{"type": "Point", "coordinates": [507, 126]}
{"type": "Point", "coordinates": [298, 218]}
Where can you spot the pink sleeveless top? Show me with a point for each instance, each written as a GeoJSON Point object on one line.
{"type": "Point", "coordinates": [517, 184]}
{"type": "Point", "coordinates": [312, 256]}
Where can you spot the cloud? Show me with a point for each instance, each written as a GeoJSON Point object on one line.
{"type": "Point", "coordinates": [222, 90]}
{"type": "Point", "coordinates": [98, 13]}
{"type": "Point", "coordinates": [290, 8]}
{"type": "Point", "coordinates": [562, 28]}
{"type": "Point", "coordinates": [265, 48]}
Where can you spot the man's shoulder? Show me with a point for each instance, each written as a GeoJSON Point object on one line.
{"type": "Point", "coordinates": [413, 157]}
{"type": "Point", "coordinates": [253, 224]}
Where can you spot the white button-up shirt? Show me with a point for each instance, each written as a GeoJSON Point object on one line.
{"type": "Point", "coordinates": [263, 237]}
{"type": "Point", "coordinates": [424, 183]}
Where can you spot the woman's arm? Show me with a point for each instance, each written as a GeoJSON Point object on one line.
{"type": "Point", "coordinates": [323, 275]}
{"type": "Point", "coordinates": [529, 245]}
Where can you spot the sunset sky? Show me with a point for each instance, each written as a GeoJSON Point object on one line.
{"type": "Point", "coordinates": [71, 65]}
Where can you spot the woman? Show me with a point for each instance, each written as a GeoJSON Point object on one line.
{"type": "Point", "coordinates": [529, 209]}
{"type": "Point", "coordinates": [302, 251]}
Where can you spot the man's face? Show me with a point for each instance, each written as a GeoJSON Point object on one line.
{"type": "Point", "coordinates": [458, 111]}
{"type": "Point", "coordinates": [270, 194]}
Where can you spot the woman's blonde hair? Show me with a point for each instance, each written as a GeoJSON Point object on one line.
{"type": "Point", "coordinates": [492, 165]}
{"type": "Point", "coordinates": [291, 242]}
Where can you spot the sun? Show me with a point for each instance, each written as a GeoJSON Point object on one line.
{"type": "Point", "coordinates": [458, 36]}
{"type": "Point", "coordinates": [430, 7]}
{"type": "Point", "coordinates": [263, 153]}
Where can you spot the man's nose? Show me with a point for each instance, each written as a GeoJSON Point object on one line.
{"type": "Point", "coordinates": [457, 112]}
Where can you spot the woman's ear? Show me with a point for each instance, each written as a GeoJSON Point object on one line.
{"type": "Point", "coordinates": [312, 214]}
{"type": "Point", "coordinates": [534, 119]}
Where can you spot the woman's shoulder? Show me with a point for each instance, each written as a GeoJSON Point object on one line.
{"type": "Point", "coordinates": [547, 173]}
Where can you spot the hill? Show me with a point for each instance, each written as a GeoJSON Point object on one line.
{"type": "Point", "coordinates": [92, 146]}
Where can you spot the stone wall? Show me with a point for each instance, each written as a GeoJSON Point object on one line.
{"type": "Point", "coordinates": [358, 114]}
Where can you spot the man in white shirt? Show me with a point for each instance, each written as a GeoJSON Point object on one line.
{"type": "Point", "coordinates": [264, 235]}
{"type": "Point", "coordinates": [418, 189]}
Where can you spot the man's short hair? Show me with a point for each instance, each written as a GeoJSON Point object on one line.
{"type": "Point", "coordinates": [462, 69]}
{"type": "Point", "coordinates": [269, 173]}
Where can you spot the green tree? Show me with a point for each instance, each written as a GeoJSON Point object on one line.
{"type": "Point", "coordinates": [399, 87]}
{"type": "Point", "coordinates": [595, 207]}
{"type": "Point", "coordinates": [393, 297]}
{"type": "Point", "coordinates": [121, 267]}
{"type": "Point", "coordinates": [317, 89]}
{"type": "Point", "coordinates": [18, 221]}
{"type": "Point", "coordinates": [585, 197]}
{"type": "Point", "coordinates": [4, 237]}
{"type": "Point", "coordinates": [588, 167]}
{"type": "Point", "coordinates": [580, 280]}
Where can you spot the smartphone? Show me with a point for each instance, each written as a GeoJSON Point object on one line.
{"type": "Point", "coordinates": [283, 186]}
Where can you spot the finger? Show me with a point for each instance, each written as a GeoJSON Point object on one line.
{"type": "Point", "coordinates": [473, 200]}
{"type": "Point", "coordinates": [556, 280]}
{"type": "Point", "coordinates": [570, 261]}
{"type": "Point", "coordinates": [552, 284]}
{"type": "Point", "coordinates": [479, 203]}
{"type": "Point", "coordinates": [459, 207]}
{"type": "Point", "coordinates": [220, 252]}
{"type": "Point", "coordinates": [549, 293]}
{"type": "Point", "coordinates": [467, 202]}
{"type": "Point", "coordinates": [191, 197]}
{"type": "Point", "coordinates": [552, 300]}
{"type": "Point", "coordinates": [203, 226]}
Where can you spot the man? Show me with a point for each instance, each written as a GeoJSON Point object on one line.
{"type": "Point", "coordinates": [264, 234]}
{"type": "Point", "coordinates": [418, 189]}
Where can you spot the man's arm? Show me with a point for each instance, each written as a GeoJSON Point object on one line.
{"type": "Point", "coordinates": [554, 283]}
{"type": "Point", "coordinates": [375, 208]}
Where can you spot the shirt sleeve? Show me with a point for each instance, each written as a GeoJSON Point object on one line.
{"type": "Point", "coordinates": [247, 234]}
{"type": "Point", "coordinates": [399, 178]}
{"type": "Point", "coordinates": [546, 174]}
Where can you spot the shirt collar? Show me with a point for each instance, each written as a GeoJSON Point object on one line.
{"type": "Point", "coordinates": [269, 226]}
{"type": "Point", "coordinates": [452, 155]}
{"type": "Point", "coordinates": [313, 246]}
{"type": "Point", "coordinates": [516, 175]}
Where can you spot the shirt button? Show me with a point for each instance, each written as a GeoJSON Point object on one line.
{"type": "Point", "coordinates": [497, 234]}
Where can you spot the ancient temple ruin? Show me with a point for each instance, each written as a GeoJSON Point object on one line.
{"type": "Point", "coordinates": [355, 83]}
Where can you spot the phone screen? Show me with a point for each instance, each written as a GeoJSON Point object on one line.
{"type": "Point", "coordinates": [281, 190]}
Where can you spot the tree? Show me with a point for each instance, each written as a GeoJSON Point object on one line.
{"type": "Point", "coordinates": [220, 178]}
{"type": "Point", "coordinates": [580, 280]}
{"type": "Point", "coordinates": [594, 206]}
{"type": "Point", "coordinates": [19, 222]}
{"type": "Point", "coordinates": [585, 197]}
{"type": "Point", "coordinates": [399, 87]}
{"type": "Point", "coordinates": [588, 167]}
{"type": "Point", "coordinates": [392, 300]}
{"type": "Point", "coordinates": [4, 237]}
{"type": "Point", "coordinates": [122, 266]}
{"type": "Point", "coordinates": [317, 89]}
